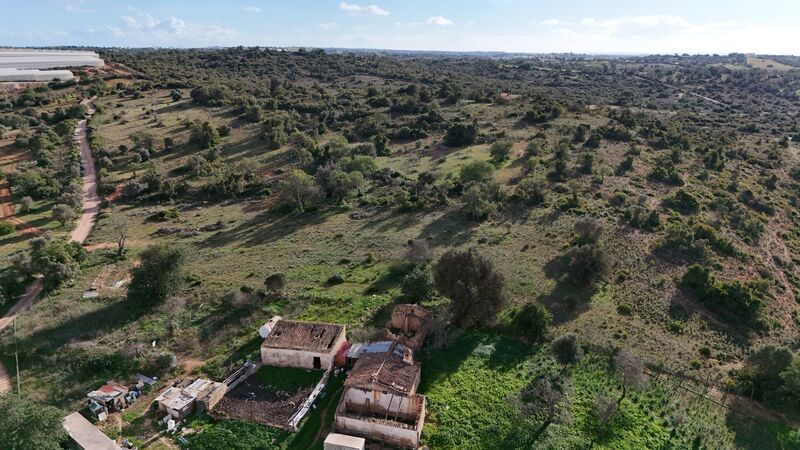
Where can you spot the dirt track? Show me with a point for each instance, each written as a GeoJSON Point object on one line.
{"type": "Point", "coordinates": [91, 202]}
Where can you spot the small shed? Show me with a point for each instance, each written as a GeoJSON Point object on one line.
{"type": "Point", "coordinates": [111, 396]}
{"type": "Point", "coordinates": [336, 441]}
{"type": "Point", "coordinates": [175, 402]}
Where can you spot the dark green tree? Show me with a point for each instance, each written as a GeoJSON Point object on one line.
{"type": "Point", "coordinates": [160, 275]}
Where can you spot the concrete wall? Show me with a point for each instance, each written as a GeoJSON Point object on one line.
{"type": "Point", "coordinates": [376, 431]}
{"type": "Point", "coordinates": [379, 402]}
{"type": "Point", "coordinates": [294, 358]}
{"type": "Point", "coordinates": [298, 358]}
{"type": "Point", "coordinates": [358, 402]}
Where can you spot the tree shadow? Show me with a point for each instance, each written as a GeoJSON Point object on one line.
{"type": "Point", "coordinates": [91, 325]}
{"type": "Point", "coordinates": [448, 230]}
{"type": "Point", "coordinates": [266, 227]}
{"type": "Point", "coordinates": [392, 221]}
{"type": "Point", "coordinates": [752, 431]}
{"type": "Point", "coordinates": [566, 301]}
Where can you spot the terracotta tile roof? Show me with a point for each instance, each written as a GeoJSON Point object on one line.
{"type": "Point", "coordinates": [306, 336]}
{"type": "Point", "coordinates": [386, 371]}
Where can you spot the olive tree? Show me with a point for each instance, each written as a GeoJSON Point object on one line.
{"type": "Point", "coordinates": [473, 284]}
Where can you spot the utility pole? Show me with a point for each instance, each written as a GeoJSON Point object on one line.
{"type": "Point", "coordinates": [16, 357]}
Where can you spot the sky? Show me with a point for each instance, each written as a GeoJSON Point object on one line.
{"type": "Point", "coordinates": [535, 26]}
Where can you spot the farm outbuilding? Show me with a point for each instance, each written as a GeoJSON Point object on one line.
{"type": "Point", "coordinates": [305, 345]}
{"type": "Point", "coordinates": [200, 395]}
{"type": "Point", "coordinates": [85, 436]}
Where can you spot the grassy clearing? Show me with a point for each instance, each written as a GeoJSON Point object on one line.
{"type": "Point", "coordinates": [287, 379]}
{"type": "Point", "coordinates": [468, 386]}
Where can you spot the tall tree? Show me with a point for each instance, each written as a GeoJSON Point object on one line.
{"type": "Point", "coordinates": [298, 190]}
{"type": "Point", "coordinates": [475, 286]}
{"type": "Point", "coordinates": [160, 275]}
{"type": "Point", "coordinates": [630, 370]}
{"type": "Point", "coordinates": [25, 424]}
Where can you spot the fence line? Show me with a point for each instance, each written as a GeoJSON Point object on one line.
{"type": "Point", "coordinates": [300, 413]}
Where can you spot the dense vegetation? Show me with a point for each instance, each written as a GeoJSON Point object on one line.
{"type": "Point", "coordinates": [602, 241]}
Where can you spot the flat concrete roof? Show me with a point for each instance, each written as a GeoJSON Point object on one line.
{"type": "Point", "coordinates": [345, 440]}
{"type": "Point", "coordinates": [87, 435]}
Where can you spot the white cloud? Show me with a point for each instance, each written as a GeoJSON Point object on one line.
{"type": "Point", "coordinates": [551, 22]}
{"type": "Point", "coordinates": [408, 24]}
{"type": "Point", "coordinates": [146, 21]}
{"type": "Point", "coordinates": [638, 21]}
{"type": "Point", "coordinates": [327, 26]}
{"type": "Point", "coordinates": [76, 6]}
{"type": "Point", "coordinates": [130, 22]}
{"type": "Point", "coordinates": [356, 10]}
{"type": "Point", "coordinates": [253, 9]}
{"type": "Point", "coordinates": [441, 21]}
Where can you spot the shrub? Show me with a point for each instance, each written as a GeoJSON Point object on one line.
{"type": "Point", "coordinates": [533, 320]}
{"type": "Point", "coordinates": [336, 278]}
{"type": "Point", "coordinates": [476, 172]}
{"type": "Point", "coordinates": [417, 285]}
{"type": "Point", "coordinates": [478, 204]}
{"type": "Point", "coordinates": [682, 201]}
{"type": "Point", "coordinates": [63, 213]}
{"type": "Point", "coordinates": [735, 299]}
{"type": "Point", "coordinates": [567, 348]}
{"type": "Point", "coordinates": [160, 275]}
{"type": "Point", "coordinates": [500, 150]}
{"type": "Point", "coordinates": [530, 191]}
{"type": "Point", "coordinates": [460, 135]}
{"type": "Point", "coordinates": [26, 203]}
{"type": "Point", "coordinates": [275, 283]}
{"type": "Point", "coordinates": [586, 264]}
{"type": "Point", "coordinates": [6, 228]}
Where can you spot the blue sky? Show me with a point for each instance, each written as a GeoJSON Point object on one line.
{"type": "Point", "coordinates": [610, 26]}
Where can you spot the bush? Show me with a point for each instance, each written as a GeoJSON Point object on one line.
{"type": "Point", "coordinates": [586, 264]}
{"type": "Point", "coordinates": [500, 150]}
{"type": "Point", "coordinates": [478, 204]}
{"type": "Point", "coordinates": [275, 283]}
{"type": "Point", "coordinates": [740, 300]}
{"type": "Point", "coordinates": [460, 135]}
{"type": "Point", "coordinates": [530, 191]}
{"type": "Point", "coordinates": [160, 275]}
{"type": "Point", "coordinates": [417, 285]}
{"type": "Point", "coordinates": [682, 201]}
{"type": "Point", "coordinates": [63, 213]}
{"type": "Point", "coordinates": [533, 320]}
{"type": "Point", "coordinates": [336, 278]}
{"type": "Point", "coordinates": [6, 228]}
{"type": "Point", "coordinates": [567, 348]}
{"type": "Point", "coordinates": [476, 172]}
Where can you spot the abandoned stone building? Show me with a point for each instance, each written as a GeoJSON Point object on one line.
{"type": "Point", "coordinates": [411, 324]}
{"type": "Point", "coordinates": [380, 402]}
{"type": "Point", "coordinates": [307, 345]}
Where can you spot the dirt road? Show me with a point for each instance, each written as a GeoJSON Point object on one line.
{"type": "Point", "coordinates": [91, 206]}
{"type": "Point", "coordinates": [91, 202]}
